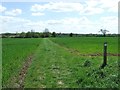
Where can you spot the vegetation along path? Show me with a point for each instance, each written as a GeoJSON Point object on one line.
{"type": "Point", "coordinates": [53, 66]}
{"type": "Point", "coordinates": [50, 67]}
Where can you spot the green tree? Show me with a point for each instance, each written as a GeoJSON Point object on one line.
{"type": "Point", "coordinates": [28, 35]}
{"type": "Point", "coordinates": [36, 35]}
{"type": "Point", "coordinates": [22, 35]}
{"type": "Point", "coordinates": [71, 34]}
{"type": "Point", "coordinates": [53, 34]}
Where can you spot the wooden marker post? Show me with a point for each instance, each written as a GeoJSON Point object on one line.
{"type": "Point", "coordinates": [105, 49]}
{"type": "Point", "coordinates": [104, 55]}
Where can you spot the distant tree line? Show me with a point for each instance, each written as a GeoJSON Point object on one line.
{"type": "Point", "coordinates": [53, 34]}
{"type": "Point", "coordinates": [46, 34]}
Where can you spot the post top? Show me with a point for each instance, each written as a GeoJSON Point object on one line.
{"type": "Point", "coordinates": [105, 43]}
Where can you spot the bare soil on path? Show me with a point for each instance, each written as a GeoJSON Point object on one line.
{"type": "Point", "coordinates": [23, 71]}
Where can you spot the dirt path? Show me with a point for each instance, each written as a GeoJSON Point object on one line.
{"type": "Point", "coordinates": [48, 66]}
{"type": "Point", "coordinates": [18, 80]}
{"type": "Point", "coordinates": [23, 71]}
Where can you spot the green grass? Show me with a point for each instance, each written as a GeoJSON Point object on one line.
{"type": "Point", "coordinates": [14, 53]}
{"type": "Point", "coordinates": [89, 44]}
{"type": "Point", "coordinates": [54, 66]}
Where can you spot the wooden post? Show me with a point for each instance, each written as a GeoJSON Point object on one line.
{"type": "Point", "coordinates": [104, 55]}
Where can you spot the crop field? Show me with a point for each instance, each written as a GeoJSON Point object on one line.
{"type": "Point", "coordinates": [70, 62]}
{"type": "Point", "coordinates": [14, 53]}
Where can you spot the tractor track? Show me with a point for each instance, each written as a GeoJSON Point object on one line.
{"type": "Point", "coordinates": [91, 54]}
{"type": "Point", "coordinates": [23, 71]}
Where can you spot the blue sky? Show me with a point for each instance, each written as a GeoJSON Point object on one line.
{"type": "Point", "coordinates": [84, 16]}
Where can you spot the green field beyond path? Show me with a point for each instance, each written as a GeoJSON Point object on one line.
{"type": "Point", "coordinates": [59, 62]}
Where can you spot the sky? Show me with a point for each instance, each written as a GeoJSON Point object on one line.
{"type": "Point", "coordinates": [76, 16]}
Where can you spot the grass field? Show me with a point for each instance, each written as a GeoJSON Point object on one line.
{"type": "Point", "coordinates": [89, 44]}
{"type": "Point", "coordinates": [59, 62]}
{"type": "Point", "coordinates": [14, 53]}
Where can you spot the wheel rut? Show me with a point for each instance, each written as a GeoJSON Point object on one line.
{"type": "Point", "coordinates": [23, 71]}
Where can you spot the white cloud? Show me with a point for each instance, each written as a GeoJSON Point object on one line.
{"type": "Point", "coordinates": [92, 7]}
{"type": "Point", "coordinates": [110, 5]}
{"type": "Point", "coordinates": [37, 14]}
{"type": "Point", "coordinates": [70, 21]}
{"type": "Point", "coordinates": [2, 9]}
{"type": "Point", "coordinates": [92, 3]}
{"type": "Point", "coordinates": [65, 25]}
{"type": "Point", "coordinates": [12, 24]}
{"type": "Point", "coordinates": [42, 0]}
{"type": "Point", "coordinates": [54, 22]}
{"type": "Point", "coordinates": [11, 19]}
{"type": "Point", "coordinates": [92, 11]}
{"type": "Point", "coordinates": [81, 24]}
{"type": "Point", "coordinates": [13, 12]}
{"type": "Point", "coordinates": [65, 7]}
{"type": "Point", "coordinates": [75, 25]}
{"type": "Point", "coordinates": [37, 7]}
{"type": "Point", "coordinates": [89, 7]}
{"type": "Point", "coordinates": [110, 23]}
{"type": "Point", "coordinates": [109, 19]}
{"type": "Point", "coordinates": [58, 7]}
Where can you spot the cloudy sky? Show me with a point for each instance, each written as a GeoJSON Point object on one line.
{"type": "Point", "coordinates": [77, 16]}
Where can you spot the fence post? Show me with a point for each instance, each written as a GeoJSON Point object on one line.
{"type": "Point", "coordinates": [104, 55]}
